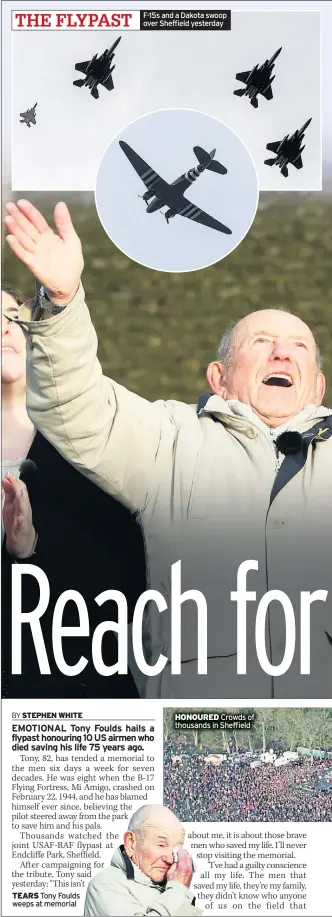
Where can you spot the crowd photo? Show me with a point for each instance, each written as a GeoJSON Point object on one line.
{"type": "Point", "coordinates": [252, 774]}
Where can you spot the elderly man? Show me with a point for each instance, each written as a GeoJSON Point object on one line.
{"type": "Point", "coordinates": [244, 478]}
{"type": "Point", "coordinates": [143, 878]}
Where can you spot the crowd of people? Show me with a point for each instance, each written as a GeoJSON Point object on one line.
{"type": "Point", "coordinates": [199, 791]}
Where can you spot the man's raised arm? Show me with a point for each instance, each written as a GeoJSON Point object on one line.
{"type": "Point", "coordinates": [108, 433]}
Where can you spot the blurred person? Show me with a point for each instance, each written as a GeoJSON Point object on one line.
{"type": "Point", "coordinates": [58, 521]}
{"type": "Point", "coordinates": [246, 473]}
{"type": "Point", "coordinates": [143, 878]}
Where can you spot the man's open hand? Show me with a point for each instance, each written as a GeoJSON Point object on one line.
{"type": "Point", "coordinates": [183, 870]}
{"type": "Point", "coordinates": [17, 517]}
{"type": "Point", "coordinates": [55, 259]}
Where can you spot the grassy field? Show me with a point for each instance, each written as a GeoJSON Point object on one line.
{"type": "Point", "coordinates": [157, 332]}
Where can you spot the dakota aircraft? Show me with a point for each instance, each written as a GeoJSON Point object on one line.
{"type": "Point", "coordinates": [160, 193]}
{"type": "Point", "coordinates": [98, 71]}
{"type": "Point", "coordinates": [28, 117]}
{"type": "Point", "coordinates": [288, 151]}
{"type": "Point", "coordinates": [258, 81]}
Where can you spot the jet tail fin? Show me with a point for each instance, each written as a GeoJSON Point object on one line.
{"type": "Point", "coordinates": [254, 102]}
{"type": "Point", "coordinates": [203, 157]}
{"type": "Point", "coordinates": [284, 171]}
{"type": "Point", "coordinates": [78, 82]}
{"type": "Point", "coordinates": [269, 162]}
{"type": "Point", "coordinates": [239, 92]}
{"type": "Point", "coordinates": [95, 93]}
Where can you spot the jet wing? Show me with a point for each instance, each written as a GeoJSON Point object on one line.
{"type": "Point", "coordinates": [83, 66]}
{"type": "Point", "coordinates": [145, 172]}
{"type": "Point", "coordinates": [273, 146]}
{"type": "Point", "coordinates": [198, 215]}
{"type": "Point", "coordinates": [298, 162]}
{"type": "Point", "coordinates": [243, 76]}
{"type": "Point", "coordinates": [267, 93]}
{"type": "Point", "coordinates": [108, 81]}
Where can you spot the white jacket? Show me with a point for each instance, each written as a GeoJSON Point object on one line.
{"type": "Point", "coordinates": [123, 890]}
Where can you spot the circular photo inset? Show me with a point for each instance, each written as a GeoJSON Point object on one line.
{"type": "Point", "coordinates": [176, 190]}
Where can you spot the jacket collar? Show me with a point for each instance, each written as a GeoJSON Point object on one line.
{"type": "Point", "coordinates": [234, 413]}
{"type": "Point", "coordinates": [122, 861]}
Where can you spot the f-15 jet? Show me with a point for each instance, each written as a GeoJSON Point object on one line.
{"type": "Point", "coordinates": [160, 193]}
{"type": "Point", "coordinates": [28, 117]}
{"type": "Point", "coordinates": [98, 71]}
{"type": "Point", "coordinates": [288, 151]}
{"type": "Point", "coordinates": [258, 81]}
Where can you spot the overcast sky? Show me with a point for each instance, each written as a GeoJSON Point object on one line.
{"type": "Point", "coordinates": [183, 245]}
{"type": "Point", "coordinates": [159, 78]}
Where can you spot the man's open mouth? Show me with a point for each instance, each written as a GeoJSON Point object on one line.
{"type": "Point", "coordinates": [282, 379]}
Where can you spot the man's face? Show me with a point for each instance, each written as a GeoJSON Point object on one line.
{"type": "Point", "coordinates": [13, 347]}
{"type": "Point", "coordinates": [272, 367]}
{"type": "Point", "coordinates": [152, 850]}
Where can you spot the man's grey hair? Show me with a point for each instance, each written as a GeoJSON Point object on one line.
{"type": "Point", "coordinates": [144, 814]}
{"type": "Point", "coordinates": [138, 820]}
{"type": "Point", "coordinates": [225, 349]}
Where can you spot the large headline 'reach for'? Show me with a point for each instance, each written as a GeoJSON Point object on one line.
{"type": "Point", "coordinates": [293, 632]}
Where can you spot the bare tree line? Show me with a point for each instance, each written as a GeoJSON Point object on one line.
{"type": "Point", "coordinates": [309, 727]}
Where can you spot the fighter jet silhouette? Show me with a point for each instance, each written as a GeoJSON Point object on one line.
{"type": "Point", "coordinates": [160, 193]}
{"type": "Point", "coordinates": [288, 151]}
{"type": "Point", "coordinates": [28, 117]}
{"type": "Point", "coordinates": [98, 71]}
{"type": "Point", "coordinates": [258, 81]}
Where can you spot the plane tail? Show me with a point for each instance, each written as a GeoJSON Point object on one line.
{"type": "Point", "coordinates": [239, 92]}
{"type": "Point", "coordinates": [269, 162]}
{"type": "Point", "coordinates": [78, 82]}
{"type": "Point", "coordinates": [254, 102]}
{"type": "Point", "coordinates": [284, 171]}
{"type": "Point", "coordinates": [211, 164]}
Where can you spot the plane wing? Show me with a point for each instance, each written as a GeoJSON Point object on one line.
{"type": "Point", "coordinates": [195, 213]}
{"type": "Point", "coordinates": [145, 172]}
{"type": "Point", "coordinates": [83, 66]}
{"type": "Point", "coordinates": [243, 76]}
{"type": "Point", "coordinates": [273, 146]}
{"type": "Point", "coordinates": [267, 93]}
{"type": "Point", "coordinates": [108, 81]}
